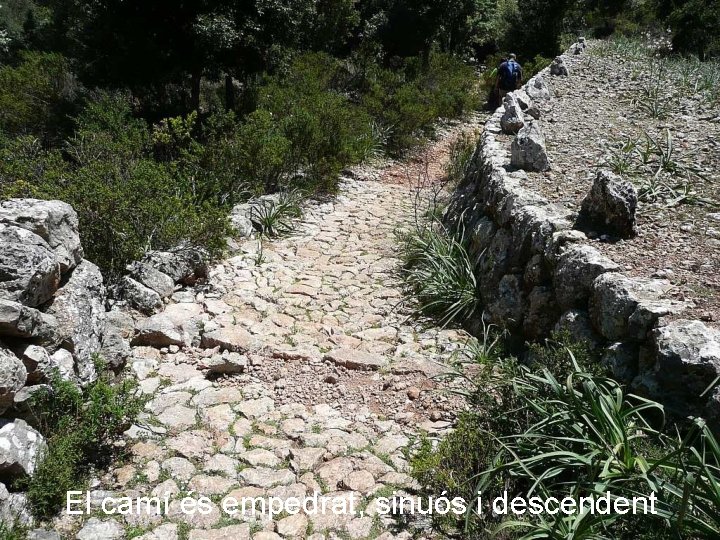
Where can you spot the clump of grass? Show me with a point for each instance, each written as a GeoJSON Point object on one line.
{"type": "Point", "coordinates": [659, 173]}
{"type": "Point", "coordinates": [276, 216]}
{"type": "Point", "coordinates": [462, 150]}
{"type": "Point", "coordinates": [80, 427]}
{"type": "Point", "coordinates": [438, 270]}
{"type": "Point", "coordinates": [557, 427]}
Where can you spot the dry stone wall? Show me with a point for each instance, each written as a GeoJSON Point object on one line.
{"type": "Point", "coordinates": [538, 274]}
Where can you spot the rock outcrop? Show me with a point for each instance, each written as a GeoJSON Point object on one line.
{"type": "Point", "coordinates": [20, 449]}
{"type": "Point", "coordinates": [610, 206]}
{"type": "Point", "coordinates": [528, 149]}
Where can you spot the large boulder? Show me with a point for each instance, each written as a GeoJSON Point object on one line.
{"type": "Point", "coordinates": [159, 331]}
{"type": "Point", "coordinates": [576, 270]}
{"type": "Point", "coordinates": [20, 449]}
{"type": "Point", "coordinates": [19, 321]}
{"type": "Point", "coordinates": [627, 308]}
{"type": "Point", "coordinates": [610, 205]}
{"type": "Point", "coordinates": [528, 149]}
{"type": "Point", "coordinates": [79, 307]}
{"type": "Point", "coordinates": [152, 278]}
{"type": "Point", "coordinates": [139, 296]}
{"type": "Point", "coordinates": [512, 120]}
{"type": "Point", "coordinates": [183, 265]}
{"type": "Point", "coordinates": [12, 378]}
{"type": "Point", "coordinates": [54, 221]}
{"type": "Point", "coordinates": [29, 270]}
{"type": "Point", "coordinates": [687, 359]}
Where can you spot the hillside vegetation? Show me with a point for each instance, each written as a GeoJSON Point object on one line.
{"type": "Point", "coordinates": [151, 119]}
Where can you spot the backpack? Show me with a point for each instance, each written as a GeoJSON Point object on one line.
{"type": "Point", "coordinates": [509, 73]}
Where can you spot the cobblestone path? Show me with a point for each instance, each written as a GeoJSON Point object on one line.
{"type": "Point", "coordinates": [325, 383]}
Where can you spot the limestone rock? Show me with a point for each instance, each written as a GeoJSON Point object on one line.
{"type": "Point", "coordinates": [356, 359]}
{"type": "Point", "coordinates": [241, 222]}
{"type": "Point", "coordinates": [611, 205]}
{"type": "Point", "coordinates": [523, 99]}
{"type": "Point", "coordinates": [509, 304]}
{"type": "Point", "coordinates": [528, 149]}
{"type": "Point", "coordinates": [624, 308]}
{"type": "Point", "coordinates": [559, 68]}
{"type": "Point", "coordinates": [37, 362]}
{"type": "Point", "coordinates": [65, 363]}
{"type": "Point", "coordinates": [577, 269]}
{"type": "Point", "coordinates": [622, 359]}
{"type": "Point", "coordinates": [512, 120]}
{"type": "Point", "coordinates": [12, 378]}
{"type": "Point", "coordinates": [18, 321]}
{"type": "Point", "coordinates": [159, 331]}
{"type": "Point", "coordinates": [29, 269]}
{"type": "Point", "coordinates": [152, 278]}
{"type": "Point", "coordinates": [542, 312]}
{"type": "Point", "coordinates": [79, 308]}
{"type": "Point", "coordinates": [20, 448]}
{"type": "Point", "coordinates": [576, 323]}
{"type": "Point", "coordinates": [183, 265]}
{"type": "Point", "coordinates": [537, 89]}
{"type": "Point", "coordinates": [226, 363]}
{"type": "Point", "coordinates": [95, 529]}
{"type": "Point", "coordinates": [687, 356]}
{"type": "Point", "coordinates": [139, 296]}
{"type": "Point", "coordinates": [118, 329]}
{"type": "Point", "coordinates": [229, 338]}
{"type": "Point", "coordinates": [54, 221]}
{"type": "Point", "coordinates": [15, 510]}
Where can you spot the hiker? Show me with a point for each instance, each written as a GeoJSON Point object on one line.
{"type": "Point", "coordinates": [509, 77]}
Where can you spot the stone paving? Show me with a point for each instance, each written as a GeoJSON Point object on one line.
{"type": "Point", "coordinates": [305, 375]}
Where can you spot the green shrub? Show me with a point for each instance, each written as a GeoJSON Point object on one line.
{"type": "Point", "coordinates": [325, 130]}
{"type": "Point", "coordinates": [410, 100]}
{"type": "Point", "coordinates": [36, 95]}
{"type": "Point", "coordinates": [12, 531]}
{"type": "Point", "coordinates": [127, 202]}
{"type": "Point", "coordinates": [80, 427]}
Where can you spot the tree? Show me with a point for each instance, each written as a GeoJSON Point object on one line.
{"type": "Point", "coordinates": [696, 27]}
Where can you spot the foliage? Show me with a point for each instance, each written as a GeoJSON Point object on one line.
{"type": "Point", "coordinates": [557, 429]}
{"type": "Point", "coordinates": [126, 201]}
{"type": "Point", "coordinates": [409, 101]}
{"type": "Point", "coordinates": [439, 272]}
{"type": "Point", "coordinates": [80, 427]}
{"type": "Point", "coordinates": [12, 531]}
{"type": "Point", "coordinates": [274, 216]}
{"type": "Point", "coordinates": [36, 94]}
{"type": "Point", "coordinates": [462, 151]}
{"type": "Point", "coordinates": [660, 173]}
